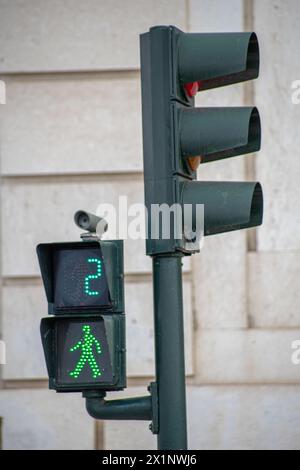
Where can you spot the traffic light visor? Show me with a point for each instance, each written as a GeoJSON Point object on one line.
{"type": "Point", "coordinates": [217, 59]}
{"type": "Point", "coordinates": [228, 206]}
{"type": "Point", "coordinates": [217, 133]}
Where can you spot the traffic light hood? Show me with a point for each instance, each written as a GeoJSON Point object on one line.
{"type": "Point", "coordinates": [217, 133]}
{"type": "Point", "coordinates": [228, 206]}
{"type": "Point", "coordinates": [217, 59]}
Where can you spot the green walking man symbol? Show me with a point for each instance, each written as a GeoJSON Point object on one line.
{"type": "Point", "coordinates": [87, 355]}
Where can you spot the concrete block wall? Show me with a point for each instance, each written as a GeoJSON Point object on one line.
{"type": "Point", "coordinates": [70, 138]}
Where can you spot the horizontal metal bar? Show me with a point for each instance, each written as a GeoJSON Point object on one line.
{"type": "Point", "coordinates": [137, 408]}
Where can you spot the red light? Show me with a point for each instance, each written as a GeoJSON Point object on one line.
{"type": "Point", "coordinates": [191, 88]}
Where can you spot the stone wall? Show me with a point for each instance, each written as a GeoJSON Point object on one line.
{"type": "Point", "coordinates": [70, 139]}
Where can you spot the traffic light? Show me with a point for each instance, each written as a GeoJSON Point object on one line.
{"type": "Point", "coordinates": [85, 352]}
{"type": "Point", "coordinates": [84, 343]}
{"type": "Point", "coordinates": [82, 276]}
{"type": "Point", "coordinates": [177, 137]}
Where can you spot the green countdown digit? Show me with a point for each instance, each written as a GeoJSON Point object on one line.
{"type": "Point", "coordinates": [89, 277]}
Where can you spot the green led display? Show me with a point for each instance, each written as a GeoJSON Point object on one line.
{"type": "Point", "coordinates": [98, 274]}
{"type": "Point", "coordinates": [82, 352]}
{"type": "Point", "coordinates": [87, 355]}
{"type": "Point", "coordinates": [79, 279]}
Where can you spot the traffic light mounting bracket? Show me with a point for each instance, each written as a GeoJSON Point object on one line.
{"type": "Point", "coordinates": [137, 408]}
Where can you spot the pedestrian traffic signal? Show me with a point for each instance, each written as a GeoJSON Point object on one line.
{"type": "Point", "coordinates": [82, 276]}
{"type": "Point", "coordinates": [177, 137]}
{"type": "Point", "coordinates": [85, 353]}
{"type": "Point", "coordinates": [84, 344]}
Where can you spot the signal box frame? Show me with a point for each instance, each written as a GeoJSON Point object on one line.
{"type": "Point", "coordinates": [113, 258]}
{"type": "Point", "coordinates": [115, 333]}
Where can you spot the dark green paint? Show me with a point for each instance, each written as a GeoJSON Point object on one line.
{"type": "Point", "coordinates": [169, 351]}
{"type": "Point", "coordinates": [228, 206]}
{"type": "Point", "coordinates": [217, 59]}
{"type": "Point", "coordinates": [216, 133]}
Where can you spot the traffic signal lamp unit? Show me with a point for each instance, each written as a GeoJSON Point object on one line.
{"type": "Point", "coordinates": [179, 137]}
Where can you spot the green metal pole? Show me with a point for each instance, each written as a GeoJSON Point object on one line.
{"type": "Point", "coordinates": [169, 351]}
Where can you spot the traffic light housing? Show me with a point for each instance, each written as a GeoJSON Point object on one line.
{"type": "Point", "coordinates": [177, 137]}
{"type": "Point", "coordinates": [82, 276]}
{"type": "Point", "coordinates": [101, 366]}
{"type": "Point", "coordinates": [84, 342]}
